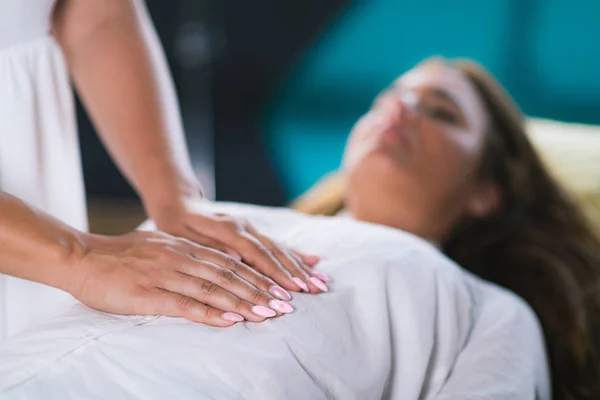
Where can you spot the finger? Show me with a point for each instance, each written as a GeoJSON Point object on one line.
{"type": "Point", "coordinates": [291, 264]}
{"type": "Point", "coordinates": [262, 258]}
{"type": "Point", "coordinates": [197, 238]}
{"type": "Point", "coordinates": [311, 260]}
{"type": "Point", "coordinates": [316, 283]}
{"type": "Point", "coordinates": [221, 287]}
{"type": "Point", "coordinates": [313, 272]}
{"type": "Point", "coordinates": [245, 272]}
{"type": "Point", "coordinates": [203, 240]}
{"type": "Point", "coordinates": [212, 294]}
{"type": "Point", "coordinates": [163, 302]}
{"type": "Point", "coordinates": [231, 231]}
{"type": "Point", "coordinates": [299, 261]}
{"type": "Point", "coordinates": [258, 255]}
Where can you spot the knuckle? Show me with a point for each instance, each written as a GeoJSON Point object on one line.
{"type": "Point", "coordinates": [257, 295]}
{"type": "Point", "coordinates": [239, 304]}
{"type": "Point", "coordinates": [163, 252]}
{"type": "Point", "coordinates": [148, 280]}
{"type": "Point", "coordinates": [227, 221]}
{"type": "Point", "coordinates": [231, 264]}
{"type": "Point", "coordinates": [208, 288]}
{"type": "Point", "coordinates": [185, 303]}
{"type": "Point", "coordinates": [227, 276]}
{"type": "Point", "coordinates": [263, 283]}
{"type": "Point", "coordinates": [210, 313]}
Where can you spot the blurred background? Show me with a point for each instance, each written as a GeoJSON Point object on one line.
{"type": "Point", "coordinates": [270, 89]}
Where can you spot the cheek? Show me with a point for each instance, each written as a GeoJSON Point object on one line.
{"type": "Point", "coordinates": [451, 150]}
{"type": "Point", "coordinates": [357, 145]}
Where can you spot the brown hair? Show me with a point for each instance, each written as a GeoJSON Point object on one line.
{"type": "Point", "coordinates": [539, 244]}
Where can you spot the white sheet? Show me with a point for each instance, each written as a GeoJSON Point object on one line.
{"type": "Point", "coordinates": [400, 322]}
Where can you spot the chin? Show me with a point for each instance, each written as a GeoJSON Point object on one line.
{"type": "Point", "coordinates": [382, 159]}
{"type": "Point", "coordinates": [374, 176]}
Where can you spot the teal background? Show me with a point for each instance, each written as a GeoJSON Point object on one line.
{"type": "Point", "coordinates": [545, 52]}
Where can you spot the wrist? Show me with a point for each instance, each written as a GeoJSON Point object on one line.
{"type": "Point", "coordinates": [169, 202]}
{"type": "Point", "coordinates": [71, 250]}
{"type": "Point", "coordinates": [79, 246]}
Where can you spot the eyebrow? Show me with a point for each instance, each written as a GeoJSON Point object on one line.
{"type": "Point", "coordinates": [446, 96]}
{"type": "Point", "coordinates": [441, 93]}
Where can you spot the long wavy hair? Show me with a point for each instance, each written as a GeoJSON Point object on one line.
{"type": "Point", "coordinates": [539, 244]}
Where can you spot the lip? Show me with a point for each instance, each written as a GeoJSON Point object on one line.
{"type": "Point", "coordinates": [396, 136]}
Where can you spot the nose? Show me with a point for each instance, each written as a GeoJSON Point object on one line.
{"type": "Point", "coordinates": [400, 109]}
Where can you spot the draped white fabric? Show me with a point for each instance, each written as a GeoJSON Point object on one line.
{"type": "Point", "coordinates": [400, 322]}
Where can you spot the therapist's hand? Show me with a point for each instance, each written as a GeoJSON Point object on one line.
{"type": "Point", "coordinates": [153, 273]}
{"type": "Point", "coordinates": [238, 238]}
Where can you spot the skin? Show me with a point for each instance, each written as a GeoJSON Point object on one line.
{"type": "Point", "coordinates": [137, 116]}
{"type": "Point", "coordinates": [139, 273]}
{"type": "Point", "coordinates": [411, 161]}
{"type": "Point", "coordinates": [120, 73]}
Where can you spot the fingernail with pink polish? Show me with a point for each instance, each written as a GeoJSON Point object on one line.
{"type": "Point", "coordinates": [280, 293]}
{"type": "Point", "coordinates": [231, 316]}
{"type": "Point", "coordinates": [235, 255]}
{"type": "Point", "coordinates": [319, 283]}
{"type": "Point", "coordinates": [263, 311]}
{"type": "Point", "coordinates": [281, 306]}
{"type": "Point", "coordinates": [322, 276]}
{"type": "Point", "coordinates": [301, 284]}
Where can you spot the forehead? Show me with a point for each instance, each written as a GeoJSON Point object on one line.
{"type": "Point", "coordinates": [455, 83]}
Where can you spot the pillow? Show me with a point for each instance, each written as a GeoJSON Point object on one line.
{"type": "Point", "coordinates": [572, 153]}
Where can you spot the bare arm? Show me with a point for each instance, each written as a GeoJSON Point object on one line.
{"type": "Point", "coordinates": [35, 246]}
{"type": "Point", "coordinates": [139, 273]}
{"type": "Point", "coordinates": [121, 74]}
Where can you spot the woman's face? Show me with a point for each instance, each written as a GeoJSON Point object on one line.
{"type": "Point", "coordinates": [412, 160]}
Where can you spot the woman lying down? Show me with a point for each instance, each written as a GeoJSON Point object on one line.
{"type": "Point", "coordinates": [439, 167]}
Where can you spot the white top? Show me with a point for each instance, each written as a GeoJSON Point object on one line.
{"type": "Point", "coordinates": [39, 149]}
{"type": "Point", "coordinates": [400, 322]}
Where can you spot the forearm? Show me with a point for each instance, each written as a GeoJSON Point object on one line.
{"type": "Point", "coordinates": [35, 246]}
{"type": "Point", "coordinates": [121, 75]}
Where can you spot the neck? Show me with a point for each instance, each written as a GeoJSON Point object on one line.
{"type": "Point", "coordinates": [346, 213]}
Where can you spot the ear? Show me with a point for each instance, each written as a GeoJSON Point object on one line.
{"type": "Point", "coordinates": [484, 200]}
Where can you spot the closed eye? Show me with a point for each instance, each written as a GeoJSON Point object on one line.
{"type": "Point", "coordinates": [442, 114]}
